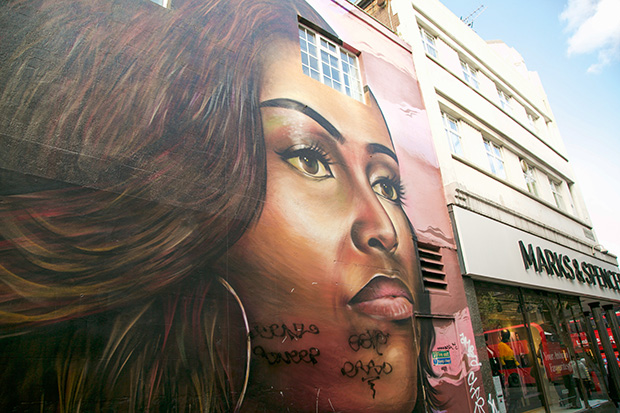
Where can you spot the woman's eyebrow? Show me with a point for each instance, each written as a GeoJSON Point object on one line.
{"type": "Point", "coordinates": [306, 110]}
{"type": "Point", "coordinates": [378, 148]}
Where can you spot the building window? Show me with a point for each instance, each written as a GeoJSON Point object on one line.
{"type": "Point", "coordinates": [556, 189]}
{"type": "Point", "coordinates": [496, 162]}
{"type": "Point", "coordinates": [163, 3]}
{"type": "Point", "coordinates": [451, 126]}
{"type": "Point", "coordinates": [504, 100]}
{"type": "Point", "coordinates": [530, 177]}
{"type": "Point", "coordinates": [323, 60]}
{"type": "Point", "coordinates": [429, 43]}
{"type": "Point", "coordinates": [531, 120]}
{"type": "Point", "coordinates": [470, 75]}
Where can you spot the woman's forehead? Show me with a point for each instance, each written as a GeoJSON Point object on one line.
{"type": "Point", "coordinates": [284, 80]}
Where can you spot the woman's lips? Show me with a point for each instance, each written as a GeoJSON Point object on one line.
{"type": "Point", "coordinates": [384, 298]}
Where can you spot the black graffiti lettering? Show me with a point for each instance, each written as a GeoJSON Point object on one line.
{"type": "Point", "coordinates": [371, 383]}
{"type": "Point", "coordinates": [283, 331]}
{"type": "Point", "coordinates": [370, 372]}
{"type": "Point", "coordinates": [351, 370]}
{"type": "Point", "coordinates": [288, 357]}
{"type": "Point", "coordinates": [368, 340]}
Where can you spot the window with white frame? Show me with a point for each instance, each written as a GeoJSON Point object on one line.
{"type": "Point", "coordinates": [504, 100]}
{"type": "Point", "coordinates": [163, 3]}
{"type": "Point", "coordinates": [531, 119]}
{"type": "Point", "coordinates": [470, 75]}
{"type": "Point", "coordinates": [496, 161]}
{"type": "Point", "coordinates": [451, 126]}
{"type": "Point", "coordinates": [529, 174]}
{"type": "Point", "coordinates": [556, 189]}
{"type": "Point", "coordinates": [325, 61]}
{"type": "Point", "coordinates": [429, 42]}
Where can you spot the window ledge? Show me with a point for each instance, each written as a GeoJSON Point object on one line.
{"type": "Point", "coordinates": [522, 124]}
{"type": "Point", "coordinates": [520, 190]}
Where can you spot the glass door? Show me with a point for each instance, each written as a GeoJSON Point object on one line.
{"type": "Point", "coordinates": [509, 346]}
{"type": "Point", "coordinates": [554, 351]}
{"type": "Point", "coordinates": [592, 380]}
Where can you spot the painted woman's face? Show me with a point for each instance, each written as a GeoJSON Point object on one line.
{"type": "Point", "coordinates": [327, 275]}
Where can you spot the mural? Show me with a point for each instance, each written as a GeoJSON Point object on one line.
{"type": "Point", "coordinates": [189, 222]}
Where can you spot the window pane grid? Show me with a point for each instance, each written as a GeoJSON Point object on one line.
{"type": "Point", "coordinates": [333, 66]}
{"type": "Point", "coordinates": [530, 180]}
{"type": "Point", "coordinates": [496, 162]}
{"type": "Point", "coordinates": [469, 74]}
{"type": "Point", "coordinates": [532, 121]}
{"type": "Point", "coordinates": [452, 132]}
{"type": "Point", "coordinates": [557, 194]}
{"type": "Point", "coordinates": [429, 43]}
{"type": "Point", "coordinates": [504, 100]}
{"type": "Point", "coordinates": [309, 57]}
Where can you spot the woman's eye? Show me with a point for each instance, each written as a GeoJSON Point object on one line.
{"type": "Point", "coordinates": [310, 163]}
{"type": "Point", "coordinates": [387, 190]}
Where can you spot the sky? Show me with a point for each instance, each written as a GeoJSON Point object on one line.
{"type": "Point", "coordinates": [574, 45]}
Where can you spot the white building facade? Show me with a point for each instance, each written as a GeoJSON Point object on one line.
{"type": "Point", "coordinates": [536, 275]}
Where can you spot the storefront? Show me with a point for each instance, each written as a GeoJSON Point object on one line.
{"type": "Point", "coordinates": [537, 307]}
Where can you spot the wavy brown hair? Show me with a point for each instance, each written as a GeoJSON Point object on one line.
{"type": "Point", "coordinates": [153, 115]}
{"type": "Point", "coordinates": [138, 132]}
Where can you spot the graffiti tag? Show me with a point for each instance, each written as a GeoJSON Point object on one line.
{"type": "Point", "coordinates": [471, 351]}
{"type": "Point", "coordinates": [368, 340]}
{"type": "Point", "coordinates": [370, 372]}
{"type": "Point", "coordinates": [288, 357]}
{"type": "Point", "coordinates": [474, 391]}
{"type": "Point", "coordinates": [283, 331]}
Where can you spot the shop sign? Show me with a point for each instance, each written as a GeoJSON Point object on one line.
{"type": "Point", "coordinates": [564, 266]}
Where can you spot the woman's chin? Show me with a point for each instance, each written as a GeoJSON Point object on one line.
{"type": "Point", "coordinates": [360, 370]}
{"type": "Point", "coordinates": [395, 396]}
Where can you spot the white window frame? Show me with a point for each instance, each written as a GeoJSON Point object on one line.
{"type": "Point", "coordinates": [453, 133]}
{"type": "Point", "coordinates": [496, 160]}
{"type": "Point", "coordinates": [329, 63]}
{"type": "Point", "coordinates": [428, 40]}
{"type": "Point", "coordinates": [504, 100]}
{"type": "Point", "coordinates": [531, 118]}
{"type": "Point", "coordinates": [470, 75]}
{"type": "Point", "coordinates": [556, 190]}
{"type": "Point", "coordinates": [529, 174]}
{"type": "Point", "coordinates": [162, 3]}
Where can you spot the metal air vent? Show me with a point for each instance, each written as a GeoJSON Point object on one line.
{"type": "Point", "coordinates": [433, 274]}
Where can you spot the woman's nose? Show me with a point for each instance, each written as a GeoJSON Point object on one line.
{"type": "Point", "coordinates": [372, 229]}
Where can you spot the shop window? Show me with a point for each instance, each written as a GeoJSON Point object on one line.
{"type": "Point", "coordinates": [496, 161]}
{"type": "Point", "coordinates": [451, 126]}
{"type": "Point", "coordinates": [511, 356]}
{"type": "Point", "coordinates": [591, 381]}
{"type": "Point", "coordinates": [329, 63]}
{"type": "Point", "coordinates": [540, 357]}
{"type": "Point", "coordinates": [428, 40]}
{"type": "Point", "coordinates": [470, 75]}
